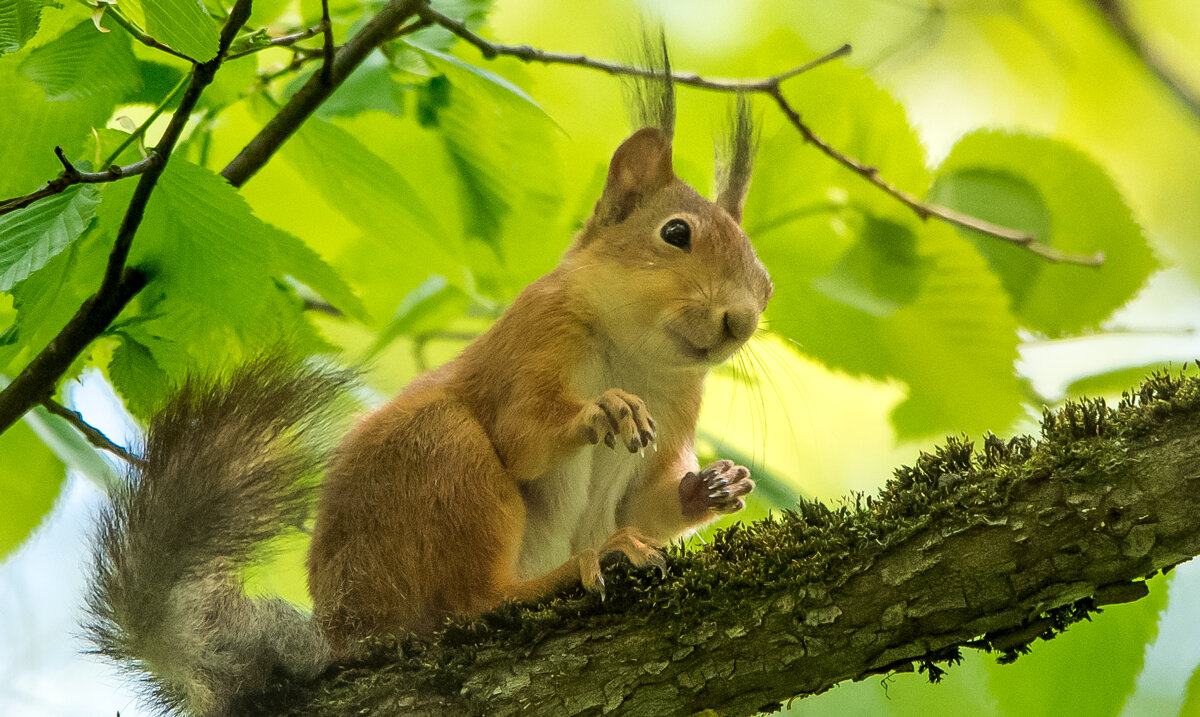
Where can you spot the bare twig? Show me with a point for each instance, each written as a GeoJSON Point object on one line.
{"type": "Point", "coordinates": [119, 284]}
{"type": "Point", "coordinates": [140, 36]}
{"type": "Point", "coordinates": [1117, 17]}
{"type": "Point", "coordinates": [316, 90]}
{"type": "Point", "coordinates": [925, 210]}
{"type": "Point", "coordinates": [71, 176]}
{"type": "Point", "coordinates": [772, 86]}
{"type": "Point", "coordinates": [287, 41]}
{"type": "Point", "coordinates": [90, 432]}
{"type": "Point", "coordinates": [327, 48]}
{"type": "Point", "coordinates": [525, 53]}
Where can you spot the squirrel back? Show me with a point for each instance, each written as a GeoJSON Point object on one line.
{"type": "Point", "coordinates": [228, 465]}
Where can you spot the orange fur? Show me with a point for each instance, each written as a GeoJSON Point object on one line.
{"type": "Point", "coordinates": [481, 482]}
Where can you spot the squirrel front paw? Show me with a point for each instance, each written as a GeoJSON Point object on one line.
{"type": "Point", "coordinates": [617, 416]}
{"type": "Point", "coordinates": [630, 542]}
{"type": "Point", "coordinates": [716, 489]}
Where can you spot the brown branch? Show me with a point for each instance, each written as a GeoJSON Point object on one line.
{"type": "Point", "coordinates": [1117, 17]}
{"type": "Point", "coordinates": [772, 86]}
{"type": "Point", "coordinates": [924, 210]}
{"type": "Point", "coordinates": [90, 432]}
{"type": "Point", "coordinates": [71, 176]}
{"type": "Point", "coordinates": [119, 285]}
{"type": "Point", "coordinates": [327, 49]}
{"type": "Point", "coordinates": [525, 53]}
{"type": "Point", "coordinates": [316, 90]}
{"type": "Point", "coordinates": [990, 550]}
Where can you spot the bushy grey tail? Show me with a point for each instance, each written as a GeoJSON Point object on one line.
{"type": "Point", "coordinates": [229, 464]}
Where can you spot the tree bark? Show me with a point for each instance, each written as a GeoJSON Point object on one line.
{"type": "Point", "coordinates": [990, 550]}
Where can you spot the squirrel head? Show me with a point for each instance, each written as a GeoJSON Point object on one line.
{"type": "Point", "coordinates": [668, 276]}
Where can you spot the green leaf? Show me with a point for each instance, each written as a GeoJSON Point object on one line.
{"type": "Point", "coordinates": [182, 25]}
{"type": "Point", "coordinates": [216, 286]}
{"type": "Point", "coordinates": [1053, 191]}
{"type": "Point", "coordinates": [865, 287]}
{"type": "Point", "coordinates": [83, 63]}
{"type": "Point", "coordinates": [31, 236]}
{"type": "Point", "coordinates": [494, 134]}
{"type": "Point", "coordinates": [142, 382]}
{"type": "Point", "coordinates": [19, 21]}
{"type": "Point", "coordinates": [49, 297]}
{"type": "Point", "coordinates": [296, 259]}
{"type": "Point", "coordinates": [1099, 660]}
{"type": "Point", "coordinates": [31, 477]}
{"type": "Point", "coordinates": [429, 307]}
{"type": "Point", "coordinates": [1191, 699]}
{"type": "Point", "coordinates": [1113, 383]}
{"type": "Point", "coordinates": [31, 125]}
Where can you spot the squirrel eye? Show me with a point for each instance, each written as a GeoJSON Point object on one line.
{"type": "Point", "coordinates": [677, 233]}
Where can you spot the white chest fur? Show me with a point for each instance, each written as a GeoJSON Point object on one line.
{"type": "Point", "coordinates": [573, 506]}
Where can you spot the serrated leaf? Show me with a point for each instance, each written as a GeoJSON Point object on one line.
{"type": "Point", "coordinates": [48, 298]}
{"type": "Point", "coordinates": [216, 285]}
{"type": "Point", "coordinates": [1052, 190]}
{"type": "Point", "coordinates": [30, 237]}
{"type": "Point", "coordinates": [494, 134]}
{"type": "Point", "coordinates": [31, 477]}
{"type": "Point", "coordinates": [19, 20]}
{"type": "Point", "coordinates": [31, 126]}
{"type": "Point", "coordinates": [137, 375]}
{"type": "Point", "coordinates": [296, 259]}
{"type": "Point", "coordinates": [83, 63]}
{"type": "Point", "coordinates": [182, 25]}
{"type": "Point", "coordinates": [865, 287]}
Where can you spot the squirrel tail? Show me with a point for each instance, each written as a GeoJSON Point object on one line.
{"type": "Point", "coordinates": [228, 465]}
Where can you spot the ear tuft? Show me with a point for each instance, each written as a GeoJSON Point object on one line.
{"type": "Point", "coordinates": [640, 167]}
{"type": "Point", "coordinates": [736, 162]}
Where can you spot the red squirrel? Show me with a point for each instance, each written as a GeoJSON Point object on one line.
{"type": "Point", "coordinates": [562, 434]}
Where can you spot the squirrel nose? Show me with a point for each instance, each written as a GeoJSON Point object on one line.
{"type": "Point", "coordinates": [740, 323]}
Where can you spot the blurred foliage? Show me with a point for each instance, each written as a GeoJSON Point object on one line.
{"type": "Point", "coordinates": [432, 186]}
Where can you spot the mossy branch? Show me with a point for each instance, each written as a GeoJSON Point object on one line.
{"type": "Point", "coordinates": [989, 549]}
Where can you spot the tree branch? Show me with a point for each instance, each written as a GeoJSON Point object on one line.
{"type": "Point", "coordinates": [90, 432]}
{"type": "Point", "coordinates": [990, 550]}
{"type": "Point", "coordinates": [287, 40]}
{"type": "Point", "coordinates": [315, 91]}
{"type": "Point", "coordinates": [70, 176]}
{"type": "Point", "coordinates": [772, 86]}
{"type": "Point", "coordinates": [119, 285]}
{"type": "Point", "coordinates": [1117, 17]}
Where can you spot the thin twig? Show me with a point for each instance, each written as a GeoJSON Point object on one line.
{"type": "Point", "coordinates": [71, 176]}
{"type": "Point", "coordinates": [327, 48]}
{"type": "Point", "coordinates": [142, 37]}
{"type": "Point", "coordinates": [924, 210]}
{"type": "Point", "coordinates": [772, 86]}
{"type": "Point", "coordinates": [119, 285]}
{"type": "Point", "coordinates": [525, 53]}
{"type": "Point", "coordinates": [305, 101]}
{"type": "Point", "coordinates": [1117, 17]}
{"type": "Point", "coordinates": [141, 129]}
{"type": "Point", "coordinates": [282, 41]}
{"type": "Point", "coordinates": [90, 432]}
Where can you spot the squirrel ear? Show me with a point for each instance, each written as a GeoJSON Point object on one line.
{"type": "Point", "coordinates": [640, 166]}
